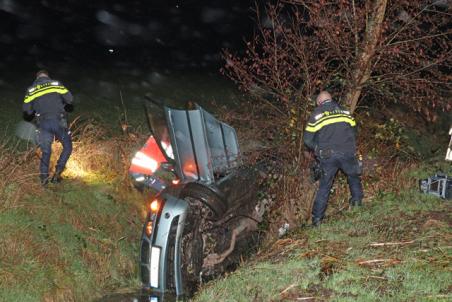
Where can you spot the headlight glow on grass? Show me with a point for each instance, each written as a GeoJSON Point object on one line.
{"type": "Point", "coordinates": [76, 165]}
{"type": "Point", "coordinates": [75, 168]}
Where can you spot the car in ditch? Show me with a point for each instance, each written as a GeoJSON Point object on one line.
{"type": "Point", "coordinates": [203, 210]}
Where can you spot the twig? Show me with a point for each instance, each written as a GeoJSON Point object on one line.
{"type": "Point", "coordinates": [376, 277]}
{"type": "Point", "coordinates": [420, 38]}
{"type": "Point", "coordinates": [283, 242]}
{"type": "Point", "coordinates": [126, 121]}
{"type": "Point", "coordinates": [377, 244]}
{"type": "Point", "coordinates": [439, 296]}
{"type": "Point", "coordinates": [288, 288]}
{"type": "Point", "coordinates": [305, 298]}
{"type": "Point", "coordinates": [377, 261]}
{"type": "Point", "coordinates": [394, 35]}
{"type": "Point", "coordinates": [372, 261]}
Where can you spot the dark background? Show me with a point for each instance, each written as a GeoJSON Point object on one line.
{"type": "Point", "coordinates": [188, 33]}
{"type": "Point", "coordinates": [110, 53]}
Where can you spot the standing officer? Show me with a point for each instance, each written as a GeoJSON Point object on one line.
{"type": "Point", "coordinates": [331, 135]}
{"type": "Point", "coordinates": [48, 101]}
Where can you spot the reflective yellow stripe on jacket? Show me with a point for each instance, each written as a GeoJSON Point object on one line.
{"type": "Point", "coordinates": [330, 119]}
{"type": "Point", "coordinates": [43, 90]}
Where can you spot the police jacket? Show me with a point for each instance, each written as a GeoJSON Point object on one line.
{"type": "Point", "coordinates": [47, 99]}
{"type": "Point", "coordinates": [330, 128]}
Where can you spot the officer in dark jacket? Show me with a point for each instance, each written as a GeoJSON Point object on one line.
{"type": "Point", "coordinates": [331, 135]}
{"type": "Point", "coordinates": [48, 101]}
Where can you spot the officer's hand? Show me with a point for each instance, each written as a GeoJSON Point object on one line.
{"type": "Point", "coordinates": [69, 107]}
{"type": "Point", "coordinates": [28, 116]}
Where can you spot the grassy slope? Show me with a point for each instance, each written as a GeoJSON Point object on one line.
{"type": "Point", "coordinates": [71, 242]}
{"type": "Point", "coordinates": [68, 242]}
{"type": "Point", "coordinates": [328, 263]}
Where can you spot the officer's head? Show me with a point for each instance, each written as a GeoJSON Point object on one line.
{"type": "Point", "coordinates": [323, 97]}
{"type": "Point", "coordinates": [42, 73]}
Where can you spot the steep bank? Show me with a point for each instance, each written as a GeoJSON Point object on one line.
{"type": "Point", "coordinates": [70, 242]}
{"type": "Point", "coordinates": [73, 241]}
{"type": "Point", "coordinates": [396, 248]}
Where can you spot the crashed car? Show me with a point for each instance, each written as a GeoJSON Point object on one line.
{"type": "Point", "coordinates": [202, 209]}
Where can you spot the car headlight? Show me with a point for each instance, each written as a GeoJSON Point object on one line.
{"type": "Point", "coordinates": [155, 206]}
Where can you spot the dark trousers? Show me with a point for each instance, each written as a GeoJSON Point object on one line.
{"type": "Point", "coordinates": [48, 131]}
{"type": "Point", "coordinates": [349, 165]}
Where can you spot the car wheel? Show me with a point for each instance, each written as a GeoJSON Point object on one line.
{"type": "Point", "coordinates": [207, 196]}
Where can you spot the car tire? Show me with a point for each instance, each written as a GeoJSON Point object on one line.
{"type": "Point", "coordinates": [207, 196]}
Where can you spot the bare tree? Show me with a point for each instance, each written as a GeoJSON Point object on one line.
{"type": "Point", "coordinates": [363, 69]}
{"type": "Point", "coordinates": [367, 52]}
{"type": "Point", "coordinates": [372, 55]}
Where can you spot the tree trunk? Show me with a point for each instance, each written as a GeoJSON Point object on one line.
{"type": "Point", "coordinates": [363, 66]}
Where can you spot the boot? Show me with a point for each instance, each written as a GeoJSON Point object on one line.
{"type": "Point", "coordinates": [56, 178]}
{"type": "Point", "coordinates": [44, 181]}
{"type": "Point", "coordinates": [355, 203]}
{"type": "Point", "coordinates": [316, 222]}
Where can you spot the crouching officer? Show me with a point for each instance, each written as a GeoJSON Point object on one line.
{"type": "Point", "coordinates": [331, 135]}
{"type": "Point", "coordinates": [48, 101]}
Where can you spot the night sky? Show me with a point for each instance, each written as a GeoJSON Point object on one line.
{"type": "Point", "coordinates": [184, 33]}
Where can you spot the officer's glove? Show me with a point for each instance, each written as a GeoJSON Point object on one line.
{"type": "Point", "coordinates": [68, 107]}
{"type": "Point", "coordinates": [28, 116]}
{"type": "Point", "coordinates": [315, 171]}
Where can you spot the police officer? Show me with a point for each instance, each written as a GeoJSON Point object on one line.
{"type": "Point", "coordinates": [331, 135]}
{"type": "Point", "coordinates": [48, 101]}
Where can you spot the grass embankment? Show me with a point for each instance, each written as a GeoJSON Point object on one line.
{"type": "Point", "coordinates": [397, 247]}
{"type": "Point", "coordinates": [68, 243]}
{"type": "Point", "coordinates": [74, 241]}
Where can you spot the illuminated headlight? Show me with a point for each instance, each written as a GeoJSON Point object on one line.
{"type": "Point", "coordinates": [154, 269]}
{"type": "Point", "coordinates": [155, 206]}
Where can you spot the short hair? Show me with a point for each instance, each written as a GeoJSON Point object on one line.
{"type": "Point", "coordinates": [323, 96]}
{"type": "Point", "coordinates": [41, 73]}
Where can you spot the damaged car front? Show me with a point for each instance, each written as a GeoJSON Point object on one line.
{"type": "Point", "coordinates": [202, 208]}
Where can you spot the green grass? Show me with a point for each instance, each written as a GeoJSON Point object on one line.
{"type": "Point", "coordinates": [75, 239]}
{"type": "Point", "coordinates": [328, 263]}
